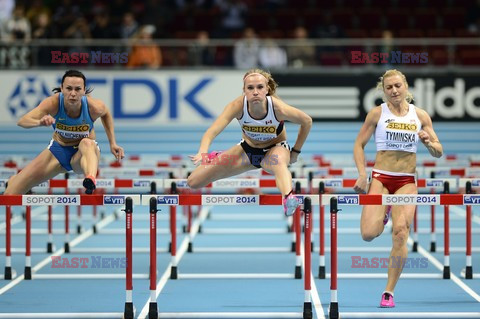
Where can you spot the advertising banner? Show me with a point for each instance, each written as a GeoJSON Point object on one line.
{"type": "Point", "coordinates": [198, 97]}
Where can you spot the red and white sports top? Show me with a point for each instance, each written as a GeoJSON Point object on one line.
{"type": "Point", "coordinates": [262, 130]}
{"type": "Point", "coordinates": [397, 133]}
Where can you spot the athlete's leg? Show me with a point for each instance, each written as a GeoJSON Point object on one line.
{"type": "Point", "coordinates": [85, 161]}
{"type": "Point", "coordinates": [402, 217]}
{"type": "Point", "coordinates": [276, 162]}
{"type": "Point", "coordinates": [229, 163]}
{"type": "Point", "coordinates": [44, 167]}
{"type": "Point", "coordinates": [371, 222]}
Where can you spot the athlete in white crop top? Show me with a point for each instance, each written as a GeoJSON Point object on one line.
{"type": "Point", "coordinates": [398, 126]}
{"type": "Point", "coordinates": [261, 115]}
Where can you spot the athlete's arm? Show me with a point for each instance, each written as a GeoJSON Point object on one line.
{"type": "Point", "coordinates": [285, 112]}
{"type": "Point", "coordinates": [231, 111]}
{"type": "Point", "coordinates": [98, 109]}
{"type": "Point", "coordinates": [427, 135]}
{"type": "Point", "coordinates": [42, 115]}
{"type": "Point", "coordinates": [362, 139]}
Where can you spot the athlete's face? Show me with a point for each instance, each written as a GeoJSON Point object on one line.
{"type": "Point", "coordinates": [395, 89]}
{"type": "Point", "coordinates": [73, 89]}
{"type": "Point", "coordinates": [255, 89]}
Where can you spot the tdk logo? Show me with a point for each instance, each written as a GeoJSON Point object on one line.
{"type": "Point", "coordinates": [475, 182]}
{"type": "Point", "coordinates": [167, 200]}
{"type": "Point", "coordinates": [348, 199]}
{"type": "Point", "coordinates": [141, 183]}
{"type": "Point", "coordinates": [435, 183]}
{"type": "Point", "coordinates": [471, 199]}
{"type": "Point", "coordinates": [113, 200]}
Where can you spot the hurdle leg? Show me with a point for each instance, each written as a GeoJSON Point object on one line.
{"type": "Point", "coordinates": [153, 308]}
{"type": "Point", "coordinates": [307, 305]}
{"type": "Point", "coordinates": [446, 236]}
{"type": "Point", "coordinates": [321, 267]}
{"type": "Point", "coordinates": [8, 243]}
{"type": "Point", "coordinates": [415, 231]}
{"type": "Point", "coordinates": [28, 243]}
{"type": "Point", "coordinates": [298, 258]}
{"type": "Point", "coordinates": [189, 229]}
{"type": "Point", "coordinates": [468, 267]}
{"type": "Point", "coordinates": [173, 242]}
{"type": "Point", "coordinates": [129, 311]}
{"type": "Point", "coordinates": [50, 246]}
{"type": "Point", "coordinates": [333, 311]}
{"type": "Point", "coordinates": [95, 219]}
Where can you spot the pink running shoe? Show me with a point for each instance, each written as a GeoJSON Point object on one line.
{"type": "Point", "coordinates": [290, 204]}
{"type": "Point", "coordinates": [387, 301]}
{"type": "Point", "coordinates": [387, 214]}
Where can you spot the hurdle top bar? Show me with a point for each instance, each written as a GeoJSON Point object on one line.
{"type": "Point", "coordinates": [214, 200]}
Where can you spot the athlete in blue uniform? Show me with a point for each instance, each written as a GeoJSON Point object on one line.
{"type": "Point", "coordinates": [72, 114]}
{"type": "Point", "coordinates": [398, 127]}
{"type": "Point", "coordinates": [261, 115]}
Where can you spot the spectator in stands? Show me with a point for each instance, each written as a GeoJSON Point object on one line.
{"type": "Point", "coordinates": [129, 26]}
{"type": "Point", "coordinates": [36, 8]}
{"type": "Point", "coordinates": [201, 53]}
{"type": "Point", "coordinates": [398, 127]}
{"type": "Point", "coordinates": [246, 50]}
{"type": "Point", "coordinates": [117, 10]}
{"type": "Point", "coordinates": [71, 112]}
{"type": "Point", "coordinates": [66, 14]}
{"type": "Point", "coordinates": [271, 55]}
{"type": "Point", "coordinates": [6, 9]}
{"type": "Point", "coordinates": [44, 30]}
{"type": "Point", "coordinates": [78, 30]}
{"type": "Point", "coordinates": [387, 46]}
{"type": "Point", "coordinates": [234, 15]}
{"type": "Point", "coordinates": [261, 115]}
{"type": "Point", "coordinates": [473, 17]}
{"type": "Point", "coordinates": [101, 27]}
{"type": "Point", "coordinates": [145, 53]}
{"type": "Point", "coordinates": [301, 51]}
{"type": "Point", "coordinates": [160, 14]}
{"type": "Point", "coordinates": [328, 29]}
{"type": "Point", "coordinates": [17, 27]}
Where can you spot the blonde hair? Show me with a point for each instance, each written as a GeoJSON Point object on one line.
{"type": "Point", "coordinates": [272, 85]}
{"type": "Point", "coordinates": [393, 72]}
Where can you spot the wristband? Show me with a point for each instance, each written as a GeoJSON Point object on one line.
{"type": "Point", "coordinates": [296, 151]}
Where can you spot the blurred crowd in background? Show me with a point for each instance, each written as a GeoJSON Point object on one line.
{"type": "Point", "coordinates": [266, 33]}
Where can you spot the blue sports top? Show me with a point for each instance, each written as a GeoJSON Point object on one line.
{"type": "Point", "coordinates": [72, 128]}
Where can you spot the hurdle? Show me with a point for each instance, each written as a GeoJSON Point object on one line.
{"type": "Point", "coordinates": [198, 199]}
{"type": "Point", "coordinates": [383, 199]}
{"type": "Point", "coordinates": [468, 184]}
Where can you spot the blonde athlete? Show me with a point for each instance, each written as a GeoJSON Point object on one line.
{"type": "Point", "coordinates": [398, 127]}
{"type": "Point", "coordinates": [261, 115]}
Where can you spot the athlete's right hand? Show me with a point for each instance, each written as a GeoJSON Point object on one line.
{"type": "Point", "coordinates": [196, 159]}
{"type": "Point", "coordinates": [361, 185]}
{"type": "Point", "coordinates": [47, 120]}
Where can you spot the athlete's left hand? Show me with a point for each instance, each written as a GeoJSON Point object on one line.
{"type": "Point", "coordinates": [293, 157]}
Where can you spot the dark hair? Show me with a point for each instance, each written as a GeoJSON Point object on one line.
{"type": "Point", "coordinates": [73, 73]}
